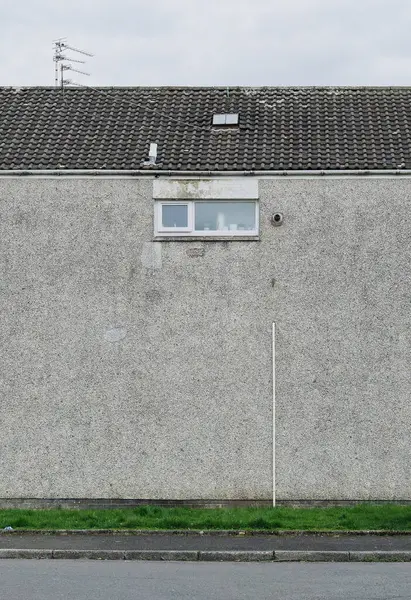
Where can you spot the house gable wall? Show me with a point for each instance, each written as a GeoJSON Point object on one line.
{"type": "Point", "coordinates": [133, 368]}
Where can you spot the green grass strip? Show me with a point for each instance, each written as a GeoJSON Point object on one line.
{"type": "Point", "coordinates": [368, 517]}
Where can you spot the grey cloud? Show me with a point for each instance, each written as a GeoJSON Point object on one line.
{"type": "Point", "coordinates": [219, 42]}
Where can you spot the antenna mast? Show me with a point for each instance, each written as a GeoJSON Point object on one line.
{"type": "Point", "coordinates": [62, 62]}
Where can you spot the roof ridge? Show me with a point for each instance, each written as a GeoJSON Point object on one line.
{"type": "Point", "coordinates": [209, 88]}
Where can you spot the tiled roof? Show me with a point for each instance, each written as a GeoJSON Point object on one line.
{"type": "Point", "coordinates": [280, 128]}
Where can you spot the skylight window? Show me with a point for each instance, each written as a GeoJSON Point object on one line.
{"type": "Point", "coordinates": [226, 119]}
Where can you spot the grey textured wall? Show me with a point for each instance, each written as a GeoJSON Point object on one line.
{"type": "Point", "coordinates": [139, 369]}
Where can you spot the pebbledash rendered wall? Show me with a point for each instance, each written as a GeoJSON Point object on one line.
{"type": "Point", "coordinates": [140, 369]}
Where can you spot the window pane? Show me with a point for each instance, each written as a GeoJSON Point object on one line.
{"type": "Point", "coordinates": [174, 215]}
{"type": "Point", "coordinates": [225, 216]}
{"type": "Point", "coordinates": [218, 119]}
{"type": "Point", "coordinates": [231, 119]}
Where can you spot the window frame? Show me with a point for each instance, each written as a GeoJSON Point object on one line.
{"type": "Point", "coordinates": [161, 230]}
{"type": "Point", "coordinates": [190, 230]}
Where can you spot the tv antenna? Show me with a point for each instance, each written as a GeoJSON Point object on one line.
{"type": "Point", "coordinates": [62, 62]}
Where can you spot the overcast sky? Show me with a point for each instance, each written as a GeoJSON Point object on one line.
{"type": "Point", "coordinates": [211, 42]}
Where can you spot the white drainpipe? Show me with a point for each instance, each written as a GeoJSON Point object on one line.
{"type": "Point", "coordinates": [274, 490]}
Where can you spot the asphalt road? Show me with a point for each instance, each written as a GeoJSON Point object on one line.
{"type": "Point", "coordinates": [92, 580]}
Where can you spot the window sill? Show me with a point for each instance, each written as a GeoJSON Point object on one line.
{"type": "Point", "coordinates": [206, 238]}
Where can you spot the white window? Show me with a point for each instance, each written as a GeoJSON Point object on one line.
{"type": "Point", "coordinates": [200, 218]}
{"type": "Point", "coordinates": [174, 216]}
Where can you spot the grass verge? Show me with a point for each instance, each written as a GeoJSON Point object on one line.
{"type": "Point", "coordinates": [359, 517]}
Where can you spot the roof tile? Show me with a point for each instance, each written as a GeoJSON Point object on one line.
{"type": "Point", "coordinates": [280, 128]}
